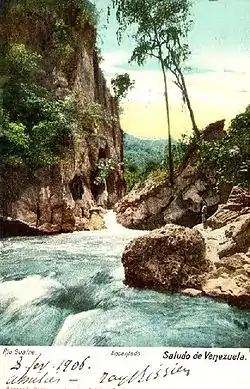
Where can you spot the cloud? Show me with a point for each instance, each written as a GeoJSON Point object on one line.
{"type": "Point", "coordinates": [222, 61]}
{"type": "Point", "coordinates": [215, 93]}
{"type": "Point", "coordinates": [114, 62]}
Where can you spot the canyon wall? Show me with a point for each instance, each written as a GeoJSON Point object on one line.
{"type": "Point", "coordinates": [59, 198]}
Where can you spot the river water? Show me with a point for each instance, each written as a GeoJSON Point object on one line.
{"type": "Point", "coordinates": [68, 290]}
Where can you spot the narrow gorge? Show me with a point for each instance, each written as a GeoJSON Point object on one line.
{"type": "Point", "coordinates": [85, 261]}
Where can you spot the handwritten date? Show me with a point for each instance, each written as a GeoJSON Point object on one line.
{"type": "Point", "coordinates": [43, 372]}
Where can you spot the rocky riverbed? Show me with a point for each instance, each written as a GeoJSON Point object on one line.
{"type": "Point", "coordinates": [213, 262]}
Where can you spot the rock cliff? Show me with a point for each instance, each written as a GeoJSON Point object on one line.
{"type": "Point", "coordinates": [158, 203]}
{"type": "Point", "coordinates": [59, 198]}
{"type": "Point", "coordinates": [212, 262]}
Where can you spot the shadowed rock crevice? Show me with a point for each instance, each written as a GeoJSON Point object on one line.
{"type": "Point", "coordinates": [76, 188]}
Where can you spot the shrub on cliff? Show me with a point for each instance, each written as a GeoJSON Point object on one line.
{"type": "Point", "coordinates": [85, 9]}
{"type": "Point", "coordinates": [34, 126]}
{"type": "Point", "coordinates": [121, 85]}
{"type": "Point", "coordinates": [230, 156]}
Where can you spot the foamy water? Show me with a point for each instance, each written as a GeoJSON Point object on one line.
{"type": "Point", "coordinates": [111, 223]}
{"type": "Point", "coordinates": [68, 290]}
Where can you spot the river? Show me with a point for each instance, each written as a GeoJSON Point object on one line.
{"type": "Point", "coordinates": [68, 290]}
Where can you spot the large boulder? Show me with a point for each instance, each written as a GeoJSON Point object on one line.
{"type": "Point", "coordinates": [209, 262]}
{"type": "Point", "coordinates": [236, 236]}
{"type": "Point", "coordinates": [169, 258]}
{"type": "Point", "coordinates": [229, 239]}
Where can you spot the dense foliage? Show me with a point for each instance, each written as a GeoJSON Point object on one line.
{"type": "Point", "coordinates": [230, 156]}
{"type": "Point", "coordinates": [140, 157]}
{"type": "Point", "coordinates": [35, 125]}
{"type": "Point", "coordinates": [104, 168]}
{"type": "Point", "coordinates": [121, 84]}
{"type": "Point", "coordinates": [146, 158]}
{"type": "Point", "coordinates": [142, 152]}
{"type": "Point", "coordinates": [85, 8]}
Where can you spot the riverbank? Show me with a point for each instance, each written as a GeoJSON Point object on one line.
{"type": "Point", "coordinates": [213, 261]}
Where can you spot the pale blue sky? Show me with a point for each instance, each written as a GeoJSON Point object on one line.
{"type": "Point", "coordinates": [220, 81]}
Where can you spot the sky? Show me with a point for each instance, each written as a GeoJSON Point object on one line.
{"type": "Point", "coordinates": [218, 83]}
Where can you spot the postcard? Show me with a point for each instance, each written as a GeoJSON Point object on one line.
{"type": "Point", "coordinates": [124, 193]}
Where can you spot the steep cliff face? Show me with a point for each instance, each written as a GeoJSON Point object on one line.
{"type": "Point", "coordinates": [157, 203]}
{"type": "Point", "coordinates": [59, 198]}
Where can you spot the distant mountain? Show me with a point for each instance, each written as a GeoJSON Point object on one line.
{"type": "Point", "coordinates": [142, 151]}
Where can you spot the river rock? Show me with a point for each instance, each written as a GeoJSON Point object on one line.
{"type": "Point", "coordinates": [192, 292]}
{"type": "Point", "coordinates": [96, 221]}
{"type": "Point", "coordinates": [169, 258]}
{"type": "Point", "coordinates": [10, 227]}
{"type": "Point", "coordinates": [230, 280]}
{"type": "Point", "coordinates": [238, 204]}
{"type": "Point", "coordinates": [198, 262]}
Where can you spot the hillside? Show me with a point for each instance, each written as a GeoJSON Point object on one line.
{"type": "Point", "coordinates": [141, 152]}
{"type": "Point", "coordinates": [144, 157]}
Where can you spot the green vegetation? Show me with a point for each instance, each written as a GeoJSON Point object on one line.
{"type": "Point", "coordinates": [230, 156]}
{"type": "Point", "coordinates": [104, 168]}
{"type": "Point", "coordinates": [141, 152]}
{"type": "Point", "coordinates": [90, 115]}
{"type": "Point", "coordinates": [85, 9]}
{"type": "Point", "coordinates": [57, 26]}
{"type": "Point", "coordinates": [121, 84]}
{"type": "Point", "coordinates": [145, 158]}
{"type": "Point", "coordinates": [160, 30]}
{"type": "Point", "coordinates": [35, 125]}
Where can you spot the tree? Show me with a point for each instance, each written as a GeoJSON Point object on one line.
{"type": "Point", "coordinates": [178, 54]}
{"type": "Point", "coordinates": [159, 29]}
{"type": "Point", "coordinates": [121, 84]}
{"type": "Point", "coordinates": [35, 127]}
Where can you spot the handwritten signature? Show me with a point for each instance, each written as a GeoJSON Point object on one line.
{"type": "Point", "coordinates": [144, 375]}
